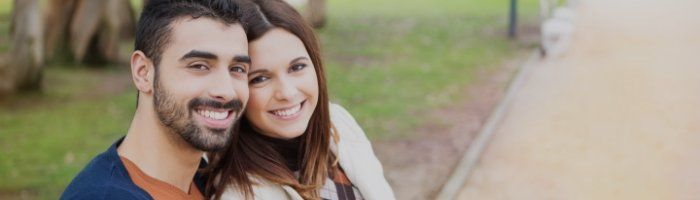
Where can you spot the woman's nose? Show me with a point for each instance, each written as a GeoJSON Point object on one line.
{"type": "Point", "coordinates": [286, 90]}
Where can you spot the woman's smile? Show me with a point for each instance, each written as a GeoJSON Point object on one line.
{"type": "Point", "coordinates": [288, 113]}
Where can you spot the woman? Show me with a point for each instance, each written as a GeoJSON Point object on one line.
{"type": "Point", "coordinates": [292, 143]}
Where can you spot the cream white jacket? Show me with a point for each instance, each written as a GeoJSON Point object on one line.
{"type": "Point", "coordinates": [355, 156]}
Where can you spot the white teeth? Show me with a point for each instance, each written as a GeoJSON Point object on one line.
{"type": "Point", "coordinates": [213, 114]}
{"type": "Point", "coordinates": [287, 112]}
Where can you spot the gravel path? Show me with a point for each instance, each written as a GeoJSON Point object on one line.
{"type": "Point", "coordinates": [617, 116]}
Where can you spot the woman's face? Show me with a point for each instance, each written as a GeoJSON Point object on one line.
{"type": "Point", "coordinates": [283, 85]}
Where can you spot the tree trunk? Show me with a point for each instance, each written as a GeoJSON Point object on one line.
{"type": "Point", "coordinates": [89, 30]}
{"type": "Point", "coordinates": [96, 28]}
{"type": "Point", "coordinates": [21, 70]}
{"type": "Point", "coordinates": [58, 17]}
{"type": "Point", "coordinates": [316, 13]}
{"type": "Point", "coordinates": [313, 11]}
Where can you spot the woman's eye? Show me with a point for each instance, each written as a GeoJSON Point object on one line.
{"type": "Point", "coordinates": [199, 67]}
{"type": "Point", "coordinates": [238, 69]}
{"type": "Point", "coordinates": [297, 67]}
{"type": "Point", "coordinates": [258, 79]}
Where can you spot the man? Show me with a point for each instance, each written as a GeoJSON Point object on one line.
{"type": "Point", "coordinates": [190, 68]}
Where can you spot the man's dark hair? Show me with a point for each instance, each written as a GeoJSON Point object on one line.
{"type": "Point", "coordinates": [153, 31]}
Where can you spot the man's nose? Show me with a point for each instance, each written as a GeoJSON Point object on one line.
{"type": "Point", "coordinates": [221, 87]}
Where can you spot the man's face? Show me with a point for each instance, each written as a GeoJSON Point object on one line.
{"type": "Point", "coordinates": [200, 86]}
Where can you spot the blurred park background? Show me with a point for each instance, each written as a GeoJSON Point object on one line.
{"type": "Point", "coordinates": [390, 62]}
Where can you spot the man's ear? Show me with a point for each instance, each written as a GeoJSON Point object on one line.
{"type": "Point", "coordinates": [142, 71]}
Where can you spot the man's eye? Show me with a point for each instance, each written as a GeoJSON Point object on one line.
{"type": "Point", "coordinates": [199, 67]}
{"type": "Point", "coordinates": [238, 69]}
{"type": "Point", "coordinates": [258, 79]}
{"type": "Point", "coordinates": [297, 67]}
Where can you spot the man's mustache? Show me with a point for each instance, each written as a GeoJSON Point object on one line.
{"type": "Point", "coordinates": [235, 105]}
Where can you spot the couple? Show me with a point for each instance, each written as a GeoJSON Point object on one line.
{"type": "Point", "coordinates": [232, 104]}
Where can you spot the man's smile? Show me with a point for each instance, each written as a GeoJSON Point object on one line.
{"type": "Point", "coordinates": [216, 118]}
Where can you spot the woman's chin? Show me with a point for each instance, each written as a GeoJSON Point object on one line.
{"type": "Point", "coordinates": [289, 134]}
{"type": "Point", "coordinates": [289, 129]}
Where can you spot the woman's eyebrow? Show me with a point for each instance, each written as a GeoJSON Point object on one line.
{"type": "Point", "coordinates": [290, 62]}
{"type": "Point", "coordinates": [297, 59]}
{"type": "Point", "coordinates": [258, 71]}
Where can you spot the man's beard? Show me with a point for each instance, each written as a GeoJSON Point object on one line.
{"type": "Point", "coordinates": [180, 119]}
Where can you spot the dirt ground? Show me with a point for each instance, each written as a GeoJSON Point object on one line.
{"type": "Point", "coordinates": [417, 166]}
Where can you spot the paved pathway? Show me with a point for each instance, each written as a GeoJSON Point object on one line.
{"type": "Point", "coordinates": [615, 117]}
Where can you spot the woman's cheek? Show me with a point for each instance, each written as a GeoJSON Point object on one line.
{"type": "Point", "coordinates": [257, 102]}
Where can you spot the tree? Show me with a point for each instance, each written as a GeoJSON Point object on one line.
{"type": "Point", "coordinates": [87, 30]}
{"type": "Point", "coordinates": [313, 11]}
{"type": "Point", "coordinates": [21, 67]}
{"type": "Point", "coordinates": [91, 28]}
{"type": "Point", "coordinates": [316, 13]}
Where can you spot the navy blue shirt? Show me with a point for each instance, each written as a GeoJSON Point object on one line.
{"type": "Point", "coordinates": [105, 177]}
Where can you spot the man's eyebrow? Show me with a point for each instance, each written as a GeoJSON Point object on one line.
{"type": "Point", "coordinates": [297, 59]}
{"type": "Point", "coordinates": [241, 58]}
{"type": "Point", "coordinates": [199, 54]}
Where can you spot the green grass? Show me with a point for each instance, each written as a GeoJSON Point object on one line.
{"type": "Point", "coordinates": [46, 138]}
{"type": "Point", "coordinates": [390, 61]}
{"type": "Point", "coordinates": [5, 7]}
{"type": "Point", "coordinates": [387, 62]}
{"type": "Point", "coordinates": [417, 8]}
{"type": "Point", "coordinates": [386, 77]}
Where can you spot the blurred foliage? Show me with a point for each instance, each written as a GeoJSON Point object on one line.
{"type": "Point", "coordinates": [5, 18]}
{"type": "Point", "coordinates": [5, 6]}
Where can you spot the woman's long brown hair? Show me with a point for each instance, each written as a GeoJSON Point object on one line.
{"type": "Point", "coordinates": [248, 155]}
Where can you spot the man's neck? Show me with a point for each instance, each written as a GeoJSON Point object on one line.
{"type": "Point", "coordinates": [159, 153]}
